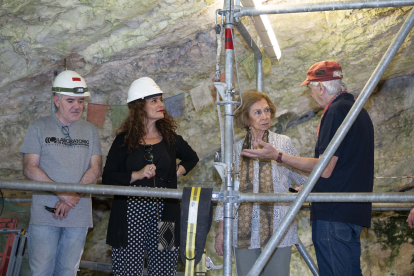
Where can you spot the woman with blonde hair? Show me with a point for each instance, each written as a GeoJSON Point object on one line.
{"type": "Point", "coordinates": [144, 154]}
{"type": "Point", "coordinates": [255, 223]}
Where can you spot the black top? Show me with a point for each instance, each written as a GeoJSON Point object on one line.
{"type": "Point", "coordinates": [118, 169]}
{"type": "Point", "coordinates": [135, 161]}
{"type": "Point", "coordinates": [354, 171]}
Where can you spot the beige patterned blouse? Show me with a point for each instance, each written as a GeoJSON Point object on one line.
{"type": "Point", "coordinates": [282, 180]}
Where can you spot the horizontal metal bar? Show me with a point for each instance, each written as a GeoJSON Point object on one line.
{"type": "Point", "coordinates": [329, 197]}
{"type": "Point", "coordinates": [305, 206]}
{"type": "Point", "coordinates": [89, 189]}
{"type": "Point", "coordinates": [106, 267]}
{"type": "Point", "coordinates": [18, 199]}
{"type": "Point", "coordinates": [322, 6]}
{"type": "Point", "coordinates": [95, 190]}
{"type": "Point", "coordinates": [227, 102]}
{"type": "Point", "coordinates": [10, 231]}
{"type": "Point", "coordinates": [378, 206]}
{"type": "Point", "coordinates": [98, 190]}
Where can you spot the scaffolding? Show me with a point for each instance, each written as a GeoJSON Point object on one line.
{"type": "Point", "coordinates": [385, 202]}
{"type": "Point", "coordinates": [232, 14]}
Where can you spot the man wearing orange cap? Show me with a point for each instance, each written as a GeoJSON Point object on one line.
{"type": "Point", "coordinates": [336, 227]}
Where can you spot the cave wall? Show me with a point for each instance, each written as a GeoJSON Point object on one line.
{"type": "Point", "coordinates": [112, 43]}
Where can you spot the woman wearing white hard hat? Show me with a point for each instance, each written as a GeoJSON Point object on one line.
{"type": "Point", "coordinates": [144, 154]}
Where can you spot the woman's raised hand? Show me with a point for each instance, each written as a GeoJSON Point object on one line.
{"type": "Point", "coordinates": [266, 152]}
{"type": "Point", "coordinates": [147, 172]}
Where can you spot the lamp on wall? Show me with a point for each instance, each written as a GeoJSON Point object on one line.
{"type": "Point", "coordinates": [265, 31]}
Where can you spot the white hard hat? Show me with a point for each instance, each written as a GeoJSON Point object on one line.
{"type": "Point", "coordinates": [141, 88]}
{"type": "Point", "coordinates": [70, 83]}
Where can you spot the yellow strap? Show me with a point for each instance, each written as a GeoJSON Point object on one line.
{"type": "Point", "coordinates": [201, 268]}
{"type": "Point", "coordinates": [191, 231]}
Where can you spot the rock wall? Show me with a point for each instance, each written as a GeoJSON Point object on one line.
{"type": "Point", "coordinates": [111, 43]}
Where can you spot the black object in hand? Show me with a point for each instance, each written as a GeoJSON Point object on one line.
{"type": "Point", "coordinates": [50, 209]}
{"type": "Point", "coordinates": [292, 190]}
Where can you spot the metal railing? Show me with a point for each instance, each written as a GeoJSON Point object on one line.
{"type": "Point", "coordinates": [109, 190]}
{"type": "Point", "coordinates": [322, 6]}
{"type": "Point", "coordinates": [306, 206]}
{"type": "Point", "coordinates": [231, 14]}
{"type": "Point", "coordinates": [238, 197]}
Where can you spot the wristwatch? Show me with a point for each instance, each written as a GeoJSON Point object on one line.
{"type": "Point", "coordinates": [279, 157]}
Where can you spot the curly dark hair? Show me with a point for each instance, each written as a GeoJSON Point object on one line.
{"type": "Point", "coordinates": [134, 127]}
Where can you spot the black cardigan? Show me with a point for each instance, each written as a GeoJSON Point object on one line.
{"type": "Point", "coordinates": [115, 173]}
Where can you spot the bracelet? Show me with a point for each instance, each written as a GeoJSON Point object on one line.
{"type": "Point", "coordinates": [219, 233]}
{"type": "Point", "coordinates": [279, 157]}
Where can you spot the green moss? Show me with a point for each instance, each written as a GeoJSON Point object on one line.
{"type": "Point", "coordinates": [11, 174]}
{"type": "Point", "coordinates": [392, 233]}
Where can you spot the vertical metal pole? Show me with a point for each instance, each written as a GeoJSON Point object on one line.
{"type": "Point", "coordinates": [228, 140]}
{"type": "Point", "coordinates": [259, 75]}
{"type": "Point", "coordinates": [19, 255]}
{"type": "Point", "coordinates": [12, 258]}
{"type": "Point", "coordinates": [308, 259]}
{"type": "Point", "coordinates": [333, 145]}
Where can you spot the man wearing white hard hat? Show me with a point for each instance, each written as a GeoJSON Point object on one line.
{"type": "Point", "coordinates": [61, 148]}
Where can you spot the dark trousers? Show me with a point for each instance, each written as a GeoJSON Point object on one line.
{"type": "Point", "coordinates": [143, 241]}
{"type": "Point", "coordinates": [337, 247]}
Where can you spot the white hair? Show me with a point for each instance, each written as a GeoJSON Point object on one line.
{"type": "Point", "coordinates": [332, 86]}
{"type": "Point", "coordinates": [58, 95]}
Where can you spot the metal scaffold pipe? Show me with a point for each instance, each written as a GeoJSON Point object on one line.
{"type": "Point", "coordinates": [307, 258]}
{"type": "Point", "coordinates": [228, 139]}
{"type": "Point", "coordinates": [107, 190]}
{"type": "Point", "coordinates": [323, 6]}
{"type": "Point", "coordinates": [379, 207]}
{"type": "Point", "coordinates": [305, 206]}
{"type": "Point", "coordinates": [249, 40]}
{"type": "Point", "coordinates": [333, 145]}
{"type": "Point", "coordinates": [89, 189]}
{"type": "Point", "coordinates": [259, 74]}
{"type": "Point", "coordinates": [329, 197]}
{"type": "Point", "coordinates": [256, 51]}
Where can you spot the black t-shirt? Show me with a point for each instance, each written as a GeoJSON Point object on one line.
{"type": "Point", "coordinates": [354, 171]}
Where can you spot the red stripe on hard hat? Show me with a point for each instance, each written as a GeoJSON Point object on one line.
{"type": "Point", "coordinates": [76, 79]}
{"type": "Point", "coordinates": [229, 40]}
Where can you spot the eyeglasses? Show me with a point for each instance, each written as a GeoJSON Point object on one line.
{"type": "Point", "coordinates": [148, 155]}
{"type": "Point", "coordinates": [150, 158]}
{"type": "Point", "coordinates": [65, 131]}
{"type": "Point", "coordinates": [50, 209]}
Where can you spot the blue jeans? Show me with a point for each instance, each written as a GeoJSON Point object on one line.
{"type": "Point", "coordinates": [337, 247]}
{"type": "Point", "coordinates": [55, 250]}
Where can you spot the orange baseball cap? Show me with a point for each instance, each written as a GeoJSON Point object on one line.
{"type": "Point", "coordinates": [323, 71]}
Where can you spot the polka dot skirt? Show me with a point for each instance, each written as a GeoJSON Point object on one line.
{"type": "Point", "coordinates": [143, 237]}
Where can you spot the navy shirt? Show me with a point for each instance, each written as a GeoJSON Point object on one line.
{"type": "Point", "coordinates": [354, 171]}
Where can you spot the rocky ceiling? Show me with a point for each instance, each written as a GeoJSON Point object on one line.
{"type": "Point", "coordinates": [113, 42]}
